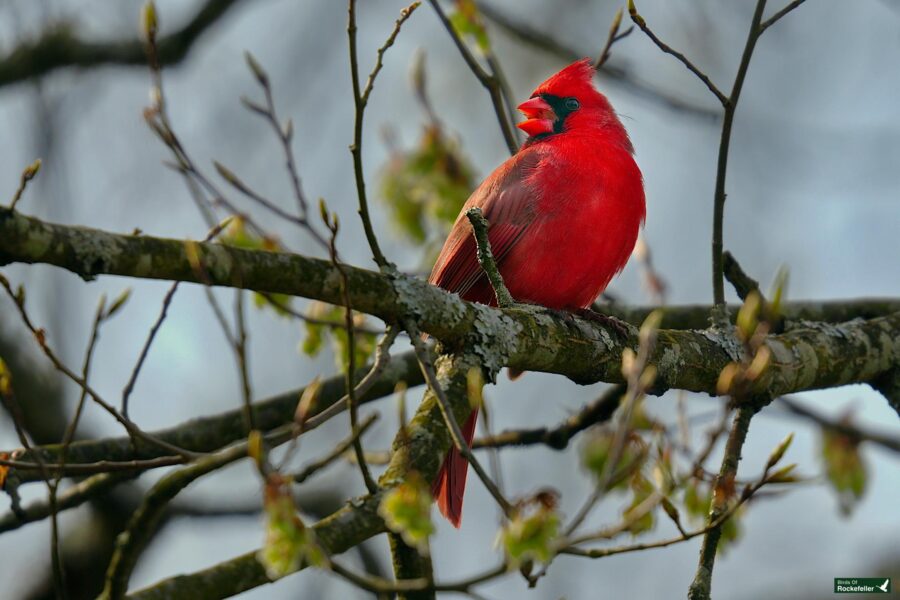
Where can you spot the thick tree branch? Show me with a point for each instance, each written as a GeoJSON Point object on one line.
{"type": "Point", "coordinates": [60, 47]}
{"type": "Point", "coordinates": [804, 358]}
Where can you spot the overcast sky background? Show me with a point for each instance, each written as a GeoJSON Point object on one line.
{"type": "Point", "coordinates": [813, 184]}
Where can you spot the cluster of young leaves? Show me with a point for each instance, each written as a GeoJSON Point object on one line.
{"type": "Point", "coordinates": [532, 533]}
{"type": "Point", "coordinates": [844, 468]}
{"type": "Point", "coordinates": [317, 332]}
{"type": "Point", "coordinates": [289, 544]}
{"type": "Point", "coordinates": [425, 187]}
{"type": "Point", "coordinates": [406, 510]}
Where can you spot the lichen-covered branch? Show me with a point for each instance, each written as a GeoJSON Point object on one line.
{"type": "Point", "coordinates": [810, 357]}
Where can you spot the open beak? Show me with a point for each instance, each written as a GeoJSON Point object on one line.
{"type": "Point", "coordinates": [539, 117]}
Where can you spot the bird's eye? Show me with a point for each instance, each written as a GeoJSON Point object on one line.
{"type": "Point", "coordinates": [572, 104]}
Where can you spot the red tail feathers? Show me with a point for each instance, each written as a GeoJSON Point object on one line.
{"type": "Point", "coordinates": [450, 484]}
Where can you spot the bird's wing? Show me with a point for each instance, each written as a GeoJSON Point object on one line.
{"type": "Point", "coordinates": [508, 203]}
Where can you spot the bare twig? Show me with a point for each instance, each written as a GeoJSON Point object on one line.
{"type": "Point", "coordinates": [27, 175]}
{"type": "Point", "coordinates": [349, 325]}
{"type": "Point", "coordinates": [777, 16]}
{"type": "Point", "coordinates": [337, 452]}
{"type": "Point", "coordinates": [700, 587]}
{"type": "Point", "coordinates": [642, 23]}
{"type": "Point", "coordinates": [540, 40]}
{"type": "Point", "coordinates": [722, 163]}
{"type": "Point", "coordinates": [599, 411]}
{"type": "Point", "coordinates": [360, 100]}
{"type": "Point", "coordinates": [40, 337]}
{"type": "Point", "coordinates": [613, 37]}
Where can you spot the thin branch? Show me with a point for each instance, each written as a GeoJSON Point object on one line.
{"type": "Point", "coordinates": [642, 24]}
{"type": "Point", "coordinates": [599, 411]}
{"type": "Point", "coordinates": [777, 16]}
{"type": "Point", "coordinates": [854, 432]}
{"type": "Point", "coordinates": [540, 40]}
{"type": "Point", "coordinates": [701, 586]}
{"type": "Point", "coordinates": [211, 433]}
{"type": "Point", "coordinates": [722, 162]}
{"type": "Point", "coordinates": [338, 451]}
{"type": "Point", "coordinates": [488, 80]}
{"type": "Point", "coordinates": [72, 497]}
{"type": "Point", "coordinates": [360, 100]}
{"type": "Point", "coordinates": [40, 337]}
{"type": "Point", "coordinates": [613, 37]}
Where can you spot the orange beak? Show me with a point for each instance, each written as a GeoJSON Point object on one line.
{"type": "Point", "coordinates": [539, 117]}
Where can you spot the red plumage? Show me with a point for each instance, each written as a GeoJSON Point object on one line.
{"type": "Point", "coordinates": [564, 214]}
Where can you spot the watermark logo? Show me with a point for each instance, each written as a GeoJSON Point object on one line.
{"type": "Point", "coordinates": [862, 585]}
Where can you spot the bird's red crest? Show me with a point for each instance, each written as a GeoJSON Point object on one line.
{"type": "Point", "coordinates": [576, 76]}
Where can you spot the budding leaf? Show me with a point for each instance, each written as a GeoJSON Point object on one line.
{"type": "Point", "coordinates": [748, 315]}
{"type": "Point", "coordinates": [641, 489]}
{"type": "Point", "coordinates": [531, 535]}
{"type": "Point", "coordinates": [406, 510]}
{"type": "Point", "coordinates": [844, 468]}
{"type": "Point", "coordinates": [779, 451]}
{"type": "Point", "coordinates": [289, 544]}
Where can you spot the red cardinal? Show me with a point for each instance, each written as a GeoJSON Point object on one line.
{"type": "Point", "coordinates": [564, 215]}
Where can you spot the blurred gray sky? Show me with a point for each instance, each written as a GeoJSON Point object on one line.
{"type": "Point", "coordinates": [813, 183]}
